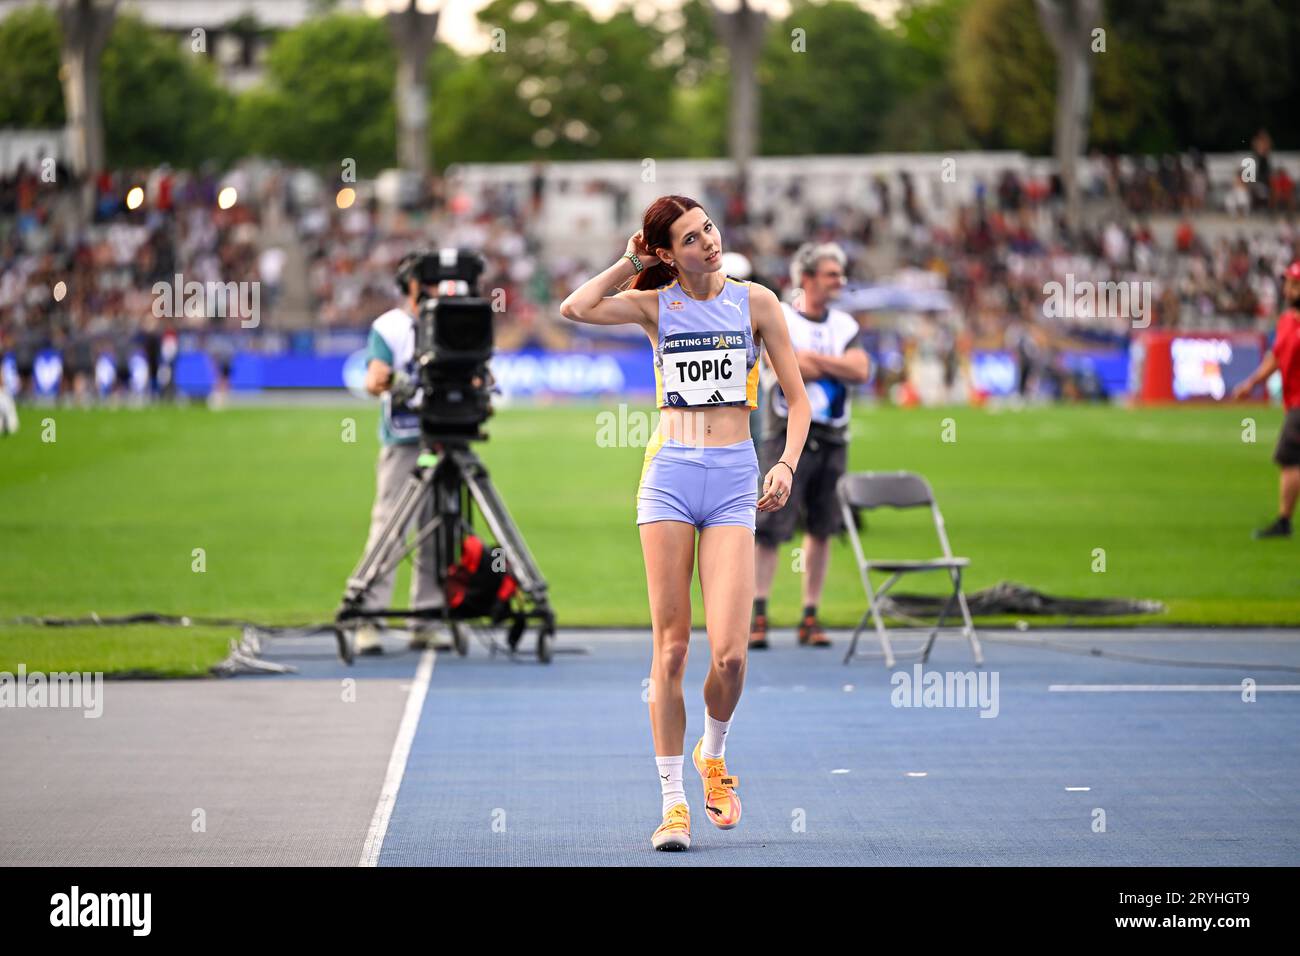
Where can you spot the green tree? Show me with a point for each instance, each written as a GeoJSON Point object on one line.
{"type": "Point", "coordinates": [1127, 115]}
{"type": "Point", "coordinates": [1004, 71]}
{"type": "Point", "coordinates": [693, 47]}
{"type": "Point", "coordinates": [699, 93]}
{"type": "Point", "coordinates": [30, 95]}
{"type": "Point", "coordinates": [564, 86]}
{"type": "Point", "coordinates": [929, 120]}
{"type": "Point", "coordinates": [927, 36]}
{"type": "Point", "coordinates": [327, 96]}
{"type": "Point", "coordinates": [698, 120]}
{"type": "Point", "coordinates": [828, 88]}
{"type": "Point", "coordinates": [928, 115]}
{"type": "Point", "coordinates": [161, 102]}
{"type": "Point", "coordinates": [1225, 69]}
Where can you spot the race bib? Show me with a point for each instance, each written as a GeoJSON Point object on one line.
{"type": "Point", "coordinates": [704, 368]}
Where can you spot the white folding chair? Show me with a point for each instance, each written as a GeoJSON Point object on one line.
{"type": "Point", "coordinates": [899, 489]}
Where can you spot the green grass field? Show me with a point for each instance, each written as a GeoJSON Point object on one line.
{"type": "Point", "coordinates": [107, 516]}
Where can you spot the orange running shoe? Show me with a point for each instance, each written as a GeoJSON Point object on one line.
{"type": "Point", "coordinates": [675, 832]}
{"type": "Point", "coordinates": [811, 633]}
{"type": "Point", "coordinates": [720, 800]}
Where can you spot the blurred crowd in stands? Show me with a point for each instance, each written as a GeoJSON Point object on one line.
{"type": "Point", "coordinates": [85, 290]}
{"type": "Point", "coordinates": [351, 254]}
{"type": "Point", "coordinates": [85, 284]}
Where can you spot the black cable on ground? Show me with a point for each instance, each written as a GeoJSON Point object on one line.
{"type": "Point", "coordinates": [168, 620]}
{"type": "Point", "coordinates": [487, 639]}
{"type": "Point", "coordinates": [184, 620]}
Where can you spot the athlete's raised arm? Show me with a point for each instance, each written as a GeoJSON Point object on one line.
{"type": "Point", "coordinates": [588, 303]}
{"type": "Point", "coordinates": [770, 322]}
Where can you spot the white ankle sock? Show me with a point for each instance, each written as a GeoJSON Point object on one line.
{"type": "Point", "coordinates": [670, 780]}
{"type": "Point", "coordinates": [715, 736]}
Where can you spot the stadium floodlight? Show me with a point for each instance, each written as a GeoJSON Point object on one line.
{"type": "Point", "coordinates": [412, 26]}
{"type": "Point", "coordinates": [742, 26]}
{"type": "Point", "coordinates": [84, 28]}
{"type": "Point", "coordinates": [772, 9]}
{"type": "Point", "coordinates": [1068, 24]}
{"type": "Point", "coordinates": [379, 8]}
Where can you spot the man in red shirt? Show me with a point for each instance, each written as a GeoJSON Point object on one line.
{"type": "Point", "coordinates": [1285, 355]}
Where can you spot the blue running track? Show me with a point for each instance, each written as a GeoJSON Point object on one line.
{"type": "Point", "coordinates": [513, 763]}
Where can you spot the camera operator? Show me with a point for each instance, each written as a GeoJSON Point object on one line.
{"type": "Point", "coordinates": [391, 373]}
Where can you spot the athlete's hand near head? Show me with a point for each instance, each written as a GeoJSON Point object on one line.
{"type": "Point", "coordinates": [637, 246]}
{"type": "Point", "coordinates": [588, 303]}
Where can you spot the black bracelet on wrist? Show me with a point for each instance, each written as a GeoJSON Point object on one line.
{"type": "Point", "coordinates": [782, 461]}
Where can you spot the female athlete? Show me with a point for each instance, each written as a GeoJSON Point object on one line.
{"type": "Point", "coordinates": [700, 472]}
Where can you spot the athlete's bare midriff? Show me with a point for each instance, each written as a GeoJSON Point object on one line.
{"type": "Point", "coordinates": [705, 427]}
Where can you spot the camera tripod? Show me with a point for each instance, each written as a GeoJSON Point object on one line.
{"type": "Point", "coordinates": [454, 478]}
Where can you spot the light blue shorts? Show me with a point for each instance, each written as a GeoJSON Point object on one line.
{"type": "Point", "coordinates": [699, 485]}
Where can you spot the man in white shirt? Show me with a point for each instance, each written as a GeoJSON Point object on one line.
{"type": "Point", "coordinates": [828, 345]}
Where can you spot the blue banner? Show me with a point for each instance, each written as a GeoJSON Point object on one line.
{"type": "Point", "coordinates": [530, 373]}
{"type": "Point", "coordinates": [997, 372]}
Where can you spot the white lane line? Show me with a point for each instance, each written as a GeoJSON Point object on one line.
{"type": "Point", "coordinates": [1157, 688]}
{"type": "Point", "coordinates": [397, 760]}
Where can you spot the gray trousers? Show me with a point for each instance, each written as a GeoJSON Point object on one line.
{"type": "Point", "coordinates": [396, 462]}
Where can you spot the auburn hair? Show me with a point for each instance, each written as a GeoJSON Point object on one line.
{"type": "Point", "coordinates": [656, 226]}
